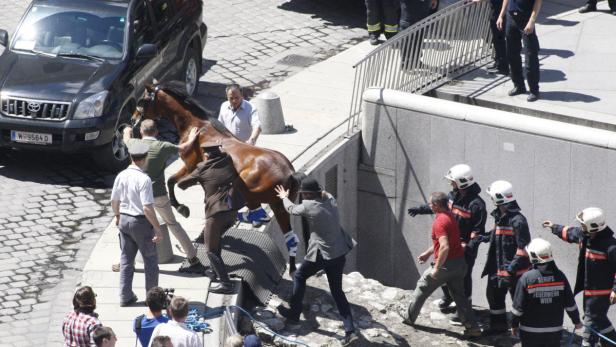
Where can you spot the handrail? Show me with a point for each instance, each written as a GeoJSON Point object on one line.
{"type": "Point", "coordinates": [429, 53]}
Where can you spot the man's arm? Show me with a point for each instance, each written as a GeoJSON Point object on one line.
{"type": "Point", "coordinates": [150, 214]}
{"type": "Point", "coordinates": [530, 26]}
{"type": "Point", "coordinates": [566, 233]}
{"type": "Point", "coordinates": [421, 209]}
{"type": "Point", "coordinates": [443, 252]}
{"type": "Point", "coordinates": [115, 206]}
{"type": "Point", "coordinates": [256, 127]}
{"type": "Point", "coordinates": [425, 255]}
{"type": "Point", "coordinates": [501, 16]}
{"type": "Point", "coordinates": [522, 237]}
{"type": "Point", "coordinates": [192, 136]}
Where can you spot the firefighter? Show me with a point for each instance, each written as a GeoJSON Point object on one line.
{"type": "Point", "coordinates": [595, 272]}
{"type": "Point", "coordinates": [507, 258]}
{"type": "Point", "coordinates": [469, 210]}
{"type": "Point", "coordinates": [540, 298]}
{"type": "Point", "coordinates": [382, 18]}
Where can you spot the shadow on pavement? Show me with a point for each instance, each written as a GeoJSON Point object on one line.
{"type": "Point", "coordinates": [561, 53]}
{"type": "Point", "coordinates": [551, 75]}
{"type": "Point", "coordinates": [560, 22]}
{"type": "Point", "coordinates": [568, 96]}
{"type": "Point", "coordinates": [346, 13]}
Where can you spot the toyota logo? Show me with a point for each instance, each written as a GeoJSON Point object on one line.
{"type": "Point", "coordinates": [34, 107]}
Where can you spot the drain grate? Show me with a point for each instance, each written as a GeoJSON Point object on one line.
{"type": "Point", "coordinates": [253, 256]}
{"type": "Point", "coordinates": [297, 60]}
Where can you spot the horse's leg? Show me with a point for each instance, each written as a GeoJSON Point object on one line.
{"type": "Point", "coordinates": [291, 240]}
{"type": "Point", "coordinates": [171, 182]}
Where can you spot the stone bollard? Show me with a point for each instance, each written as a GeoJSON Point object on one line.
{"type": "Point", "coordinates": [163, 248]}
{"type": "Point", "coordinates": [270, 113]}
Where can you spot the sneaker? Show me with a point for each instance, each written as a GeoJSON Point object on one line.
{"type": "Point", "coordinates": [472, 332]}
{"type": "Point", "coordinates": [587, 8]}
{"type": "Point", "coordinates": [349, 338]}
{"type": "Point", "coordinates": [532, 97]}
{"type": "Point", "coordinates": [129, 302]}
{"type": "Point", "coordinates": [196, 268]}
{"type": "Point", "coordinates": [222, 288]}
{"type": "Point", "coordinates": [446, 306]}
{"type": "Point", "coordinates": [455, 320]}
{"type": "Point", "coordinates": [516, 91]}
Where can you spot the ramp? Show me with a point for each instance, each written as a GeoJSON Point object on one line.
{"type": "Point", "coordinates": [253, 256]}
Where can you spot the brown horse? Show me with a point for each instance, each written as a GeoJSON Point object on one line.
{"type": "Point", "coordinates": [260, 169]}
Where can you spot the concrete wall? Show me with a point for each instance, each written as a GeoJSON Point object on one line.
{"type": "Point", "coordinates": [410, 141]}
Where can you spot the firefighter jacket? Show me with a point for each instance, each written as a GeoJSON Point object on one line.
{"type": "Point", "coordinates": [541, 296]}
{"type": "Point", "coordinates": [469, 210]}
{"type": "Point", "coordinates": [507, 258]}
{"type": "Point", "coordinates": [596, 260]}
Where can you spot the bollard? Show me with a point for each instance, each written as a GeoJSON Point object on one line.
{"type": "Point", "coordinates": [163, 248]}
{"type": "Point", "coordinates": [270, 113]}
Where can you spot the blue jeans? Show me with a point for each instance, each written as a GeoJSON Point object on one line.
{"type": "Point", "coordinates": [333, 269]}
{"type": "Point", "coordinates": [514, 31]}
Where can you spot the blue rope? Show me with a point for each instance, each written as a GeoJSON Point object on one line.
{"type": "Point", "coordinates": [194, 322]}
{"type": "Point", "coordinates": [264, 326]}
{"type": "Point", "coordinates": [600, 335]}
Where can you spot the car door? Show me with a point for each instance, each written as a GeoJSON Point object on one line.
{"type": "Point", "coordinates": [164, 13]}
{"type": "Point", "coordinates": [143, 32]}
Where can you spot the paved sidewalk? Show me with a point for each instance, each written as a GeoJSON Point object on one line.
{"type": "Point", "coordinates": [578, 69]}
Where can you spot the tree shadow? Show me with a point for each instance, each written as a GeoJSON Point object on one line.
{"type": "Point", "coordinates": [345, 13]}
{"type": "Point", "coordinates": [567, 96]}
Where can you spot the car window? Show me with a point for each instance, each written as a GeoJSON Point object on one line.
{"type": "Point", "coordinates": [163, 12]}
{"type": "Point", "coordinates": [98, 32]}
{"type": "Point", "coordinates": [142, 25]}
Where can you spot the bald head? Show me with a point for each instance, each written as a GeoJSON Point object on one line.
{"type": "Point", "coordinates": [148, 128]}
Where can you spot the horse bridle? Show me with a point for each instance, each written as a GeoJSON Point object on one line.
{"type": "Point", "coordinates": [150, 97]}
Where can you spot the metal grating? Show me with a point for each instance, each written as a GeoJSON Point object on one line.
{"type": "Point", "coordinates": [253, 256]}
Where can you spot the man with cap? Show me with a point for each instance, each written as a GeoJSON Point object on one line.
{"type": "Point", "coordinates": [596, 271]}
{"type": "Point", "coordinates": [132, 202]}
{"type": "Point", "coordinates": [327, 249]}
{"type": "Point", "coordinates": [158, 155]}
{"type": "Point", "coordinates": [217, 175]}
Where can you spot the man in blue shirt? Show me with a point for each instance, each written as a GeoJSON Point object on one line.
{"type": "Point", "coordinates": [144, 324]}
{"type": "Point", "coordinates": [520, 27]}
{"type": "Point", "coordinates": [240, 116]}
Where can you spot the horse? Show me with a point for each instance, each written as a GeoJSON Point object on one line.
{"type": "Point", "coordinates": [260, 169]}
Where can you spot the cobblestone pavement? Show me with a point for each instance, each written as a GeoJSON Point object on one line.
{"type": "Point", "coordinates": [54, 207]}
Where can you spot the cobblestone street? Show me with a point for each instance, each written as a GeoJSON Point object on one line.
{"type": "Point", "coordinates": [53, 207]}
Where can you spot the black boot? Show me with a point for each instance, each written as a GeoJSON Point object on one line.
{"type": "Point", "coordinates": [224, 286]}
{"type": "Point", "coordinates": [588, 8]}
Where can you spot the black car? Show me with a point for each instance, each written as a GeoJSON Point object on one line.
{"type": "Point", "coordinates": [74, 70]}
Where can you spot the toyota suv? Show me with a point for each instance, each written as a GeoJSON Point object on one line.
{"type": "Point", "coordinates": [73, 72]}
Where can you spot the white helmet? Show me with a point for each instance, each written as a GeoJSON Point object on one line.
{"type": "Point", "coordinates": [539, 251]}
{"type": "Point", "coordinates": [461, 174]}
{"type": "Point", "coordinates": [501, 192]}
{"type": "Point", "coordinates": [593, 218]}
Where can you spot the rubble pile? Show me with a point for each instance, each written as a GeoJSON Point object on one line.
{"type": "Point", "coordinates": [375, 308]}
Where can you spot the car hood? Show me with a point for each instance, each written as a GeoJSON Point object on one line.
{"type": "Point", "coordinates": [57, 79]}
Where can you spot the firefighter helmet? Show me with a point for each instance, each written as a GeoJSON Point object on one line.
{"type": "Point", "coordinates": [501, 192]}
{"type": "Point", "coordinates": [461, 174]}
{"type": "Point", "coordinates": [539, 251]}
{"type": "Point", "coordinates": [592, 218]}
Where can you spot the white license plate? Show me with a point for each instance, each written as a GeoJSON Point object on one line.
{"type": "Point", "coordinates": [26, 137]}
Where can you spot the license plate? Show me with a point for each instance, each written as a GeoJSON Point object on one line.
{"type": "Point", "coordinates": [35, 138]}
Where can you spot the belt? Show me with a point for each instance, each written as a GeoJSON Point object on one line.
{"type": "Point", "coordinates": [130, 215]}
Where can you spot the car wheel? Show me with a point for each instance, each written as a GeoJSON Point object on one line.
{"type": "Point", "coordinates": [114, 155]}
{"type": "Point", "coordinates": [192, 71]}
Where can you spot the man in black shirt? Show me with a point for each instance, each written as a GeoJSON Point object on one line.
{"type": "Point", "coordinates": [520, 27]}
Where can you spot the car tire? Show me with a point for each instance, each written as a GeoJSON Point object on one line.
{"type": "Point", "coordinates": [114, 155]}
{"type": "Point", "coordinates": [192, 71]}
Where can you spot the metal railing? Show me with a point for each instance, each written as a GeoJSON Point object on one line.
{"type": "Point", "coordinates": [431, 52]}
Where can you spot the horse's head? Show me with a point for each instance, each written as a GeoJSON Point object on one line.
{"type": "Point", "coordinates": [147, 106]}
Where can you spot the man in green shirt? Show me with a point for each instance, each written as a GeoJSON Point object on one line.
{"type": "Point", "coordinates": [158, 155]}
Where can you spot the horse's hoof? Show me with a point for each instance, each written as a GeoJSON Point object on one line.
{"type": "Point", "coordinates": [183, 210]}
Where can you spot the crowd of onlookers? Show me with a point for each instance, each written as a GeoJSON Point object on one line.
{"type": "Point", "coordinates": [82, 327]}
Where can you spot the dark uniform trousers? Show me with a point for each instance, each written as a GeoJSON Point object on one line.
{"type": "Point", "coordinates": [382, 17]}
{"type": "Point", "coordinates": [411, 12]}
{"type": "Point", "coordinates": [497, 294]}
{"type": "Point", "coordinates": [611, 3]}
{"type": "Point", "coordinates": [595, 316]}
{"type": "Point", "coordinates": [515, 24]}
{"type": "Point", "coordinates": [540, 340]}
{"type": "Point", "coordinates": [498, 38]}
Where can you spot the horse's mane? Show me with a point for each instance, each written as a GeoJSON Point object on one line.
{"type": "Point", "coordinates": [177, 90]}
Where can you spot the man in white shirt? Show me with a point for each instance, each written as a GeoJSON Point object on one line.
{"type": "Point", "coordinates": [240, 116]}
{"type": "Point", "coordinates": [132, 202]}
{"type": "Point", "coordinates": [180, 334]}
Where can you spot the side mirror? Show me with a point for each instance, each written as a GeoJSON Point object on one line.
{"type": "Point", "coordinates": [4, 38]}
{"type": "Point", "coordinates": [146, 51]}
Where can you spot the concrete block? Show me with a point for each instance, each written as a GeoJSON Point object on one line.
{"type": "Point", "coordinates": [270, 112]}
